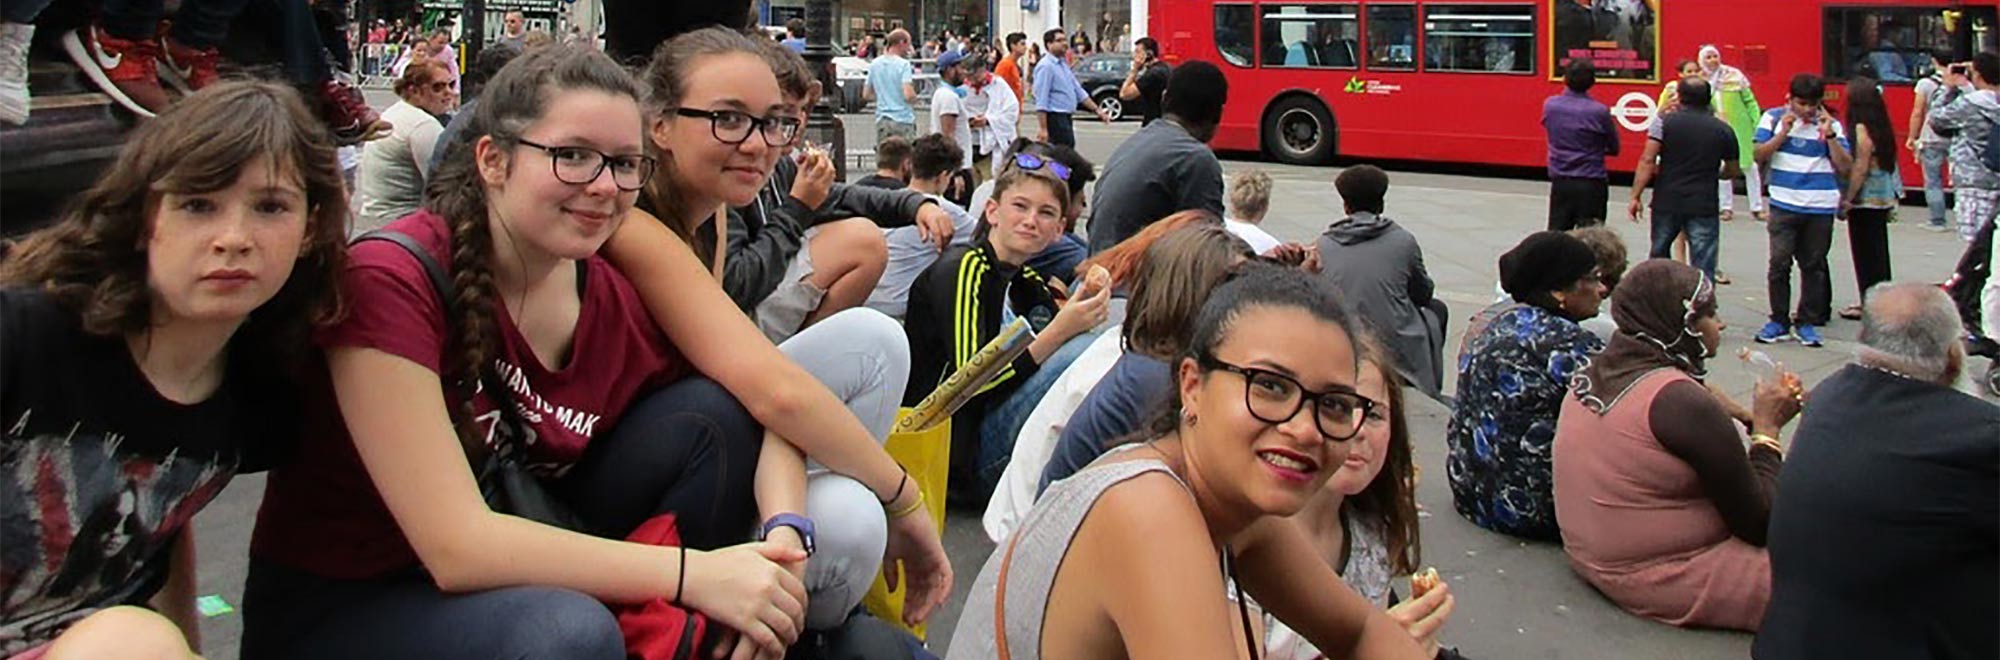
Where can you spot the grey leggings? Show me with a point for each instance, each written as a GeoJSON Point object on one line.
{"type": "Point", "coordinates": [862, 355]}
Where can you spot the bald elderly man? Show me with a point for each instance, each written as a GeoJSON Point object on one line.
{"type": "Point", "coordinates": [1885, 536]}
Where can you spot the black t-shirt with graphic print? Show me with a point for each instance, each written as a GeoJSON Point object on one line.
{"type": "Point", "coordinates": [98, 472]}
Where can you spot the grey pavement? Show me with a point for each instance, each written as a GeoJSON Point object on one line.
{"type": "Point", "coordinates": [1515, 600]}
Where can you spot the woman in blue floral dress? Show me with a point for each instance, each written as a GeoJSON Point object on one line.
{"type": "Point", "coordinates": [1511, 380]}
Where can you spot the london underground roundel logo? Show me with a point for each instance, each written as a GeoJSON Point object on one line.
{"type": "Point", "coordinates": [1635, 111]}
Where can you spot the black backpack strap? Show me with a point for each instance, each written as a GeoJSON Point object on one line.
{"type": "Point", "coordinates": [440, 282]}
{"type": "Point", "coordinates": [503, 400]}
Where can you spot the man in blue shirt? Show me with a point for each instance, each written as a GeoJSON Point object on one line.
{"type": "Point", "coordinates": [1581, 135]}
{"type": "Point", "coordinates": [1057, 93]}
{"type": "Point", "coordinates": [890, 87]}
{"type": "Point", "coordinates": [795, 35]}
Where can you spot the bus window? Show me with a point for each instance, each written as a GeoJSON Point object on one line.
{"type": "Point", "coordinates": [1893, 44]}
{"type": "Point", "coordinates": [1392, 37]}
{"type": "Point", "coordinates": [1233, 27]}
{"type": "Point", "coordinates": [1312, 36]}
{"type": "Point", "coordinates": [1620, 37]}
{"type": "Point", "coordinates": [1479, 38]}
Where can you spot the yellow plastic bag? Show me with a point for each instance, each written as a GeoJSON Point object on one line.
{"type": "Point", "coordinates": [927, 455]}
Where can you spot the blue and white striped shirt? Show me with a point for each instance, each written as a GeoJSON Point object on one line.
{"type": "Point", "coordinates": [1802, 179]}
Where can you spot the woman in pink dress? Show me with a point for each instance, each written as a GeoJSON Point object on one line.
{"type": "Point", "coordinates": [1661, 507]}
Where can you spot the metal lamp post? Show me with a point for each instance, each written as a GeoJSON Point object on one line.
{"type": "Point", "coordinates": [822, 127]}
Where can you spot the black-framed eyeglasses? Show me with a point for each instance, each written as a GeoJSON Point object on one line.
{"type": "Point", "coordinates": [1274, 398]}
{"type": "Point", "coordinates": [734, 127]}
{"type": "Point", "coordinates": [580, 165]}
{"type": "Point", "coordinates": [1028, 161]}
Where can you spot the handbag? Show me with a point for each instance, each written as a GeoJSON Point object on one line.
{"type": "Point", "coordinates": [504, 479]}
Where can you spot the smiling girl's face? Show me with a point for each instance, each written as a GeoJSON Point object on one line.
{"type": "Point", "coordinates": [703, 166]}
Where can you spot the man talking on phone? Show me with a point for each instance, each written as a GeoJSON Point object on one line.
{"type": "Point", "coordinates": [1806, 149]}
{"type": "Point", "coordinates": [1147, 81]}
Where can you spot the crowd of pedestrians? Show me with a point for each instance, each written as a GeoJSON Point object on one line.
{"type": "Point", "coordinates": [608, 369]}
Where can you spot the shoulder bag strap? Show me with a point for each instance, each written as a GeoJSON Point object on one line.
{"type": "Point", "coordinates": [503, 400]}
{"type": "Point", "coordinates": [440, 282]}
{"type": "Point", "coordinates": [1000, 597]}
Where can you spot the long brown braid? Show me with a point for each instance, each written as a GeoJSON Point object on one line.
{"type": "Point", "coordinates": [512, 101]}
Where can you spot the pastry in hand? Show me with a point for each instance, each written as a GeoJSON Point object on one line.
{"type": "Point", "coordinates": [1424, 581]}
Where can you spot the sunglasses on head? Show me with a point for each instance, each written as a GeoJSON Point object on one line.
{"type": "Point", "coordinates": [1028, 161]}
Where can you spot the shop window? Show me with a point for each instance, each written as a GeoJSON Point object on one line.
{"type": "Point", "coordinates": [1392, 37]}
{"type": "Point", "coordinates": [1479, 38]}
{"type": "Point", "coordinates": [1235, 28]}
{"type": "Point", "coordinates": [1312, 36]}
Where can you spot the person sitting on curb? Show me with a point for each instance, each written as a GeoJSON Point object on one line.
{"type": "Point", "coordinates": [1662, 508]}
{"type": "Point", "coordinates": [1511, 381]}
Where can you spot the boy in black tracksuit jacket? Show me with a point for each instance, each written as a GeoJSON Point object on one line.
{"type": "Point", "coordinates": [957, 306]}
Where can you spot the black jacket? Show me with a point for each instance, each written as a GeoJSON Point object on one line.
{"type": "Point", "coordinates": [1885, 532]}
{"type": "Point", "coordinates": [955, 308]}
{"type": "Point", "coordinates": [767, 234]}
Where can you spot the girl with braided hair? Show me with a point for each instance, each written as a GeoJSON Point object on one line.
{"type": "Point", "coordinates": [378, 542]}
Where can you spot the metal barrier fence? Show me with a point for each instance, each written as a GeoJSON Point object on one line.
{"type": "Point", "coordinates": [375, 63]}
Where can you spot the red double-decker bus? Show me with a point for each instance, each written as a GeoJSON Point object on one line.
{"type": "Point", "coordinates": [1462, 81]}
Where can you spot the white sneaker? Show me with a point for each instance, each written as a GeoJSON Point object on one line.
{"type": "Point", "coordinates": [14, 39]}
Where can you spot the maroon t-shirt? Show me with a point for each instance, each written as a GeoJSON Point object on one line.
{"type": "Point", "coordinates": [321, 511]}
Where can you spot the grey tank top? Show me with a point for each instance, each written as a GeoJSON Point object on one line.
{"type": "Point", "coordinates": [1044, 538]}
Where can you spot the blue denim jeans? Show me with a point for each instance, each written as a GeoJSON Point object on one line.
{"type": "Point", "coordinates": [1003, 423]}
{"type": "Point", "coordinates": [1702, 231]}
{"type": "Point", "coordinates": [1933, 158]}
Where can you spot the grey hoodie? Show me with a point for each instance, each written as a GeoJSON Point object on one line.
{"type": "Point", "coordinates": [1972, 112]}
{"type": "Point", "coordinates": [1379, 269]}
{"type": "Point", "coordinates": [1363, 226]}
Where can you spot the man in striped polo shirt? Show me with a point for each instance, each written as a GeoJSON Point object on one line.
{"type": "Point", "coordinates": [1805, 147]}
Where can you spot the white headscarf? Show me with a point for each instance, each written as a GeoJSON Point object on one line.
{"type": "Point", "coordinates": [1721, 78]}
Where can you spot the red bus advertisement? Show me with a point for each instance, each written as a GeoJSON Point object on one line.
{"type": "Point", "coordinates": [1462, 81]}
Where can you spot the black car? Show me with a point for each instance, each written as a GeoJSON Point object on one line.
{"type": "Point", "coordinates": [1101, 75]}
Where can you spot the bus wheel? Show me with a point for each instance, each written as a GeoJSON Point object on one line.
{"type": "Point", "coordinates": [1298, 131]}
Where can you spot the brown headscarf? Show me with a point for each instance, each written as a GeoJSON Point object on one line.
{"type": "Point", "coordinates": [1656, 307]}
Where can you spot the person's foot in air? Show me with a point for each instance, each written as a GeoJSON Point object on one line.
{"type": "Point", "coordinates": [348, 114]}
{"type": "Point", "coordinates": [124, 69]}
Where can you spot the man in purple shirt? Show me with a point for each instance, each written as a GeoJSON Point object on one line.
{"type": "Point", "coordinates": [1580, 137]}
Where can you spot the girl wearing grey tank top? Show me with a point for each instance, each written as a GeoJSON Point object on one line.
{"type": "Point", "coordinates": [1129, 558]}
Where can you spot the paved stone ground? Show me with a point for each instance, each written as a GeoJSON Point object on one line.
{"type": "Point", "coordinates": [1515, 600]}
